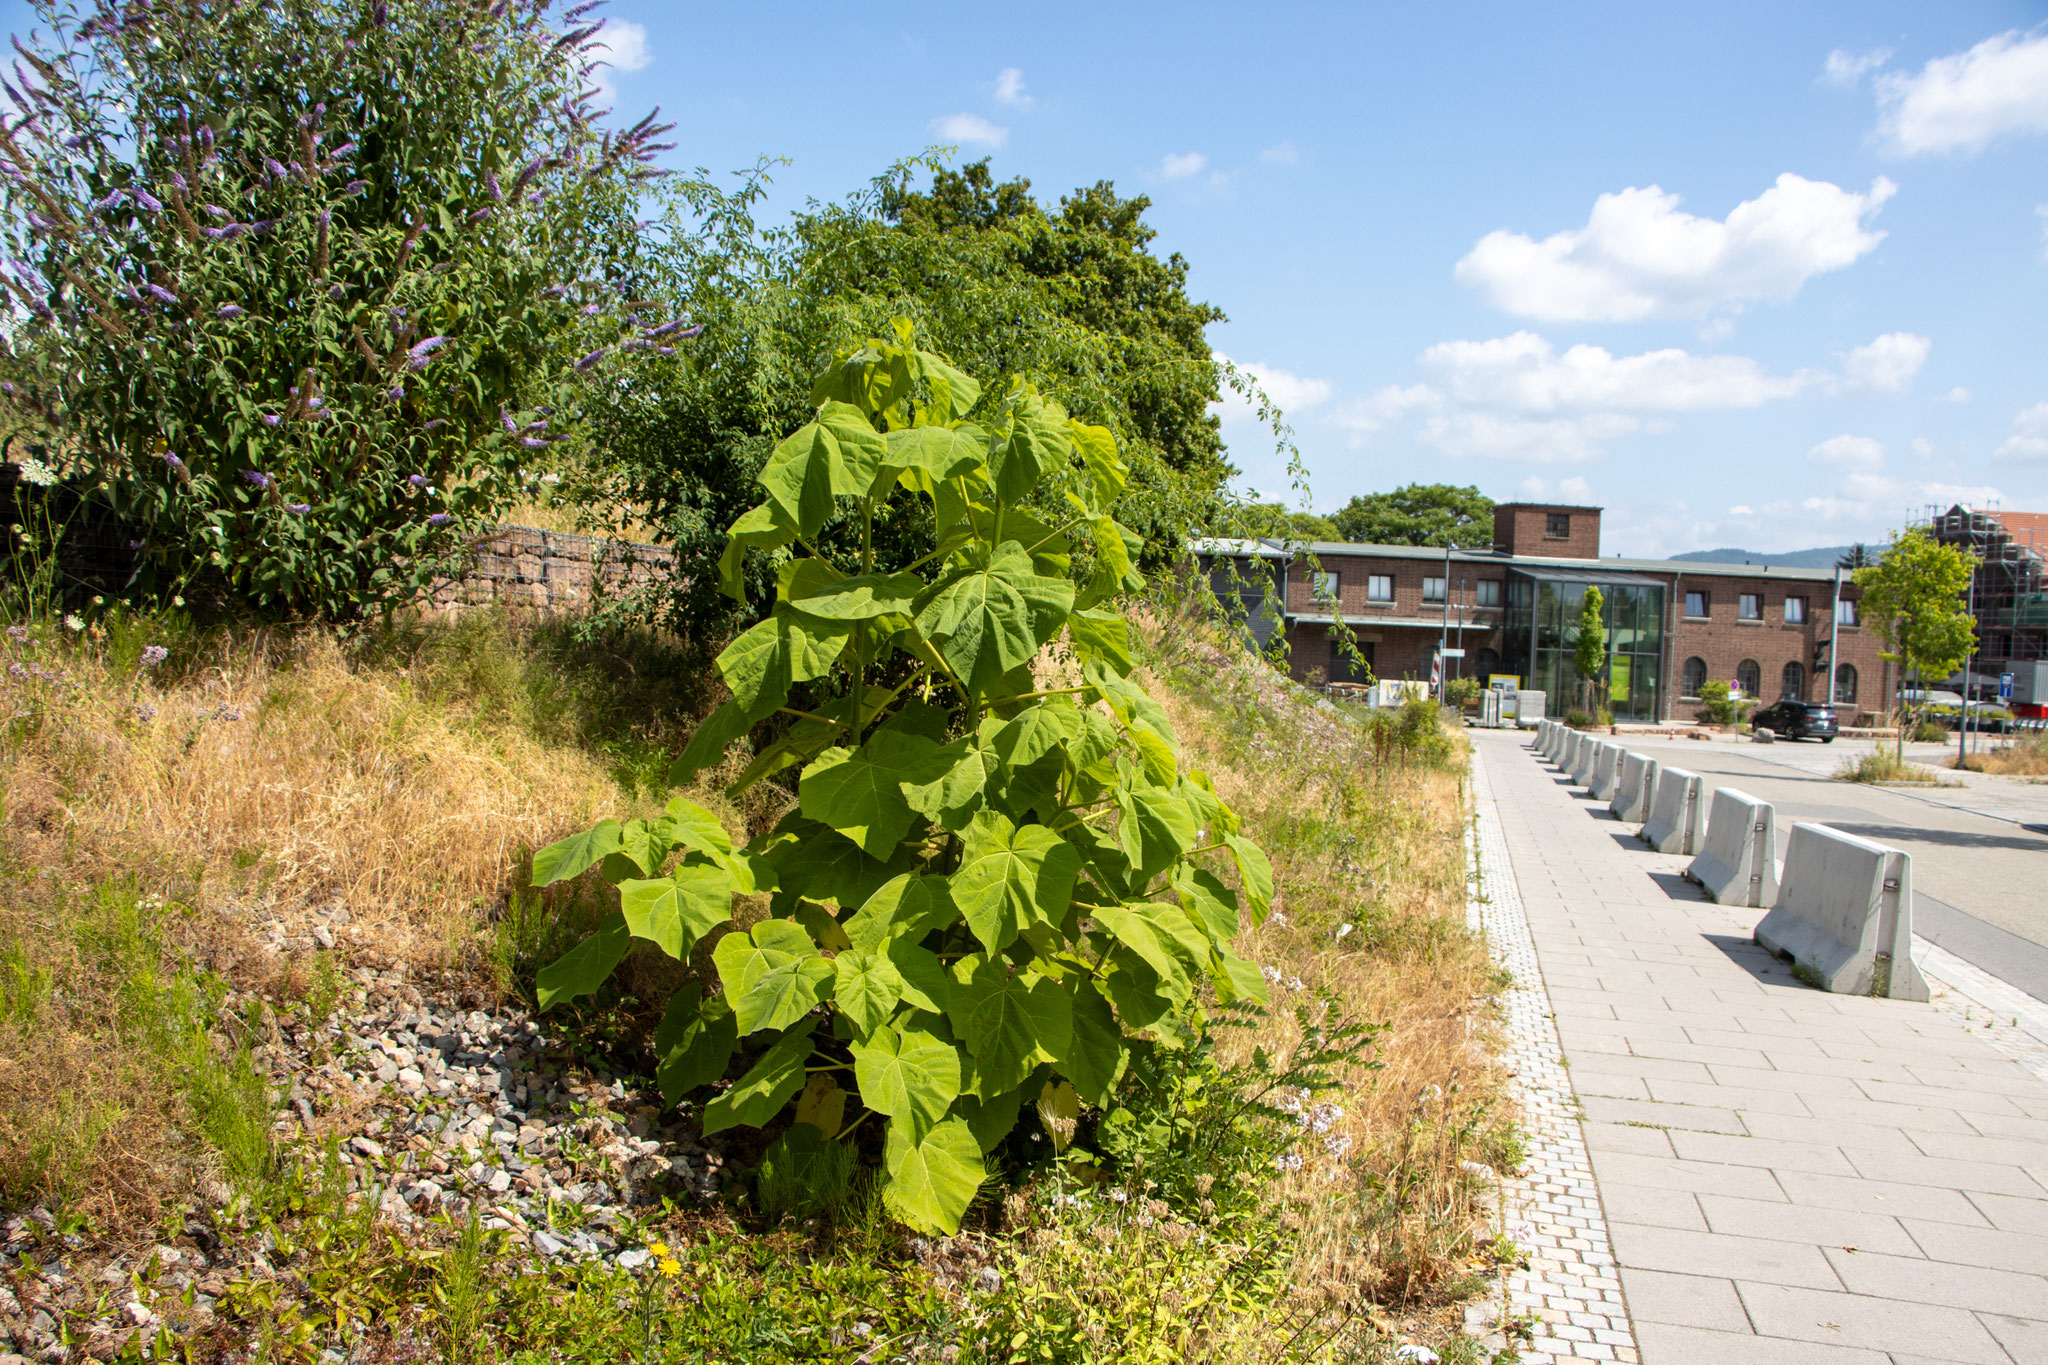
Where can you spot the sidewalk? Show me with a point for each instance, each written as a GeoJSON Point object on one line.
{"type": "Point", "coordinates": [1784, 1175]}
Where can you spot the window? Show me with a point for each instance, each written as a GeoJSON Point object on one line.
{"type": "Point", "coordinates": [1749, 676]}
{"type": "Point", "coordinates": [1793, 686]}
{"type": "Point", "coordinates": [1845, 684]}
{"type": "Point", "coordinates": [1379, 587]}
{"type": "Point", "coordinates": [1489, 592]}
{"type": "Point", "coordinates": [1695, 604]}
{"type": "Point", "coordinates": [1432, 590]}
{"type": "Point", "coordinates": [1485, 663]}
{"type": "Point", "coordinates": [1695, 676]}
{"type": "Point", "coordinates": [1845, 612]}
{"type": "Point", "coordinates": [1323, 586]}
{"type": "Point", "coordinates": [1795, 611]}
{"type": "Point", "coordinates": [1345, 668]}
{"type": "Point", "coordinates": [1750, 606]}
{"type": "Point", "coordinates": [1557, 525]}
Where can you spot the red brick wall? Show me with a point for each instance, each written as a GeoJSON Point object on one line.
{"type": "Point", "coordinates": [1522, 528]}
{"type": "Point", "coordinates": [1723, 640]}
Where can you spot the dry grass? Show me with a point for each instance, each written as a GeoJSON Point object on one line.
{"type": "Point", "coordinates": [2025, 756]}
{"type": "Point", "coordinates": [1883, 766]}
{"type": "Point", "coordinates": [1376, 845]}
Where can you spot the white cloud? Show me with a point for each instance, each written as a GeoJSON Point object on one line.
{"type": "Point", "coordinates": [1523, 373]}
{"type": "Point", "coordinates": [1292, 393]}
{"type": "Point", "coordinates": [1536, 488]}
{"type": "Point", "coordinates": [971, 128]}
{"type": "Point", "coordinates": [1860, 506]}
{"type": "Point", "coordinates": [1848, 452]}
{"type": "Point", "coordinates": [1845, 68]}
{"type": "Point", "coordinates": [2041, 212]}
{"type": "Point", "coordinates": [621, 45]}
{"type": "Point", "coordinates": [1281, 154]}
{"type": "Point", "coordinates": [1639, 256]}
{"type": "Point", "coordinates": [1961, 102]}
{"type": "Point", "coordinates": [1010, 89]}
{"type": "Point", "coordinates": [1958, 394]}
{"type": "Point", "coordinates": [1180, 165]}
{"type": "Point", "coordinates": [1510, 436]}
{"type": "Point", "coordinates": [1887, 364]}
{"type": "Point", "coordinates": [1923, 447]}
{"type": "Point", "coordinates": [2029, 439]}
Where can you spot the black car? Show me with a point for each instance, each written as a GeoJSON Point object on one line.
{"type": "Point", "coordinates": [1798, 720]}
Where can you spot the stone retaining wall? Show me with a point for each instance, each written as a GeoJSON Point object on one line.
{"type": "Point", "coordinates": [525, 567]}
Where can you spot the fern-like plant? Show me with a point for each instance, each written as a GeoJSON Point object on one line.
{"type": "Point", "coordinates": [993, 891]}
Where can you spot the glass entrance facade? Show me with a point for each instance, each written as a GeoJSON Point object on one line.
{"type": "Point", "coordinates": [1540, 636]}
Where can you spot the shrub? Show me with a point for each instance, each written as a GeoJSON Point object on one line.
{"type": "Point", "coordinates": [1721, 707]}
{"type": "Point", "coordinates": [1412, 732]}
{"type": "Point", "coordinates": [1463, 691]}
{"type": "Point", "coordinates": [980, 949]}
{"type": "Point", "coordinates": [1885, 766]}
{"type": "Point", "coordinates": [304, 284]}
{"type": "Point", "coordinates": [1578, 720]}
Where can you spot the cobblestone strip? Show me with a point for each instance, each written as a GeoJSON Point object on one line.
{"type": "Point", "coordinates": [1570, 1294]}
{"type": "Point", "coordinates": [2001, 1013]}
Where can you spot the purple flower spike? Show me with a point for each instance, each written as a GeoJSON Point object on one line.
{"type": "Point", "coordinates": [298, 509]}
{"type": "Point", "coordinates": [38, 222]}
{"type": "Point", "coordinates": [232, 311]}
{"type": "Point", "coordinates": [7, 387]}
{"type": "Point", "coordinates": [591, 310]}
{"type": "Point", "coordinates": [555, 291]}
{"type": "Point", "coordinates": [276, 168]}
{"type": "Point", "coordinates": [435, 425]}
{"type": "Point", "coordinates": [589, 362]}
{"type": "Point", "coordinates": [216, 210]}
{"type": "Point", "coordinates": [698, 330]}
{"type": "Point", "coordinates": [664, 350]}
{"type": "Point", "coordinates": [171, 459]}
{"type": "Point", "coordinates": [152, 655]}
{"type": "Point", "coordinates": [257, 479]}
{"type": "Point", "coordinates": [491, 184]}
{"type": "Point", "coordinates": [162, 295]}
{"type": "Point", "coordinates": [147, 200]}
{"type": "Point", "coordinates": [535, 442]}
{"type": "Point", "coordinates": [336, 292]}
{"type": "Point", "coordinates": [315, 404]}
{"type": "Point", "coordinates": [113, 201]}
{"type": "Point", "coordinates": [506, 419]}
{"type": "Point", "coordinates": [178, 178]}
{"type": "Point", "coordinates": [271, 419]}
{"type": "Point", "coordinates": [479, 216]}
{"type": "Point", "coordinates": [417, 357]}
{"type": "Point", "coordinates": [439, 519]}
{"type": "Point", "coordinates": [418, 480]}
{"type": "Point", "coordinates": [355, 187]}
{"type": "Point", "coordinates": [343, 150]}
{"type": "Point", "coordinates": [666, 328]}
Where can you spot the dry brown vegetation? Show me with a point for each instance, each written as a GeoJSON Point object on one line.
{"type": "Point", "coordinates": [2024, 756]}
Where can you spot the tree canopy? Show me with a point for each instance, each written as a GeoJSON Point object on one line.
{"type": "Point", "coordinates": [1274, 521]}
{"type": "Point", "coordinates": [1913, 599]}
{"type": "Point", "coordinates": [1433, 514]}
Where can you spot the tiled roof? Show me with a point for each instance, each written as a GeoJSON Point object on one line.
{"type": "Point", "coordinates": [2028, 528]}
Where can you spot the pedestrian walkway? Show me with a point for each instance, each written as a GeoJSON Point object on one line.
{"type": "Point", "coordinates": [1783, 1174]}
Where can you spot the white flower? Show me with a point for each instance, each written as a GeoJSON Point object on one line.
{"type": "Point", "coordinates": [1288, 1161]}
{"type": "Point", "coordinates": [1342, 930]}
{"type": "Point", "coordinates": [73, 622]}
{"type": "Point", "coordinates": [1277, 917]}
{"type": "Point", "coordinates": [1478, 1171]}
{"type": "Point", "coordinates": [1415, 1355]}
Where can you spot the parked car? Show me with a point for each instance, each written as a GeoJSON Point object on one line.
{"type": "Point", "coordinates": [1798, 720]}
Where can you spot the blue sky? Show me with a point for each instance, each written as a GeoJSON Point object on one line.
{"type": "Point", "coordinates": [1748, 274]}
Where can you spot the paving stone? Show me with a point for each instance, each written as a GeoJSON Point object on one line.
{"type": "Point", "coordinates": [1838, 1319]}
{"type": "Point", "coordinates": [1683, 1300]}
{"type": "Point", "coordinates": [1700, 1177]}
{"type": "Point", "coordinates": [1944, 1282]}
{"type": "Point", "coordinates": [1602, 1109]}
{"type": "Point", "coordinates": [1803, 1223]}
{"type": "Point", "coordinates": [1664, 1208]}
{"type": "Point", "coordinates": [2024, 1339]}
{"type": "Point", "coordinates": [1724, 1257]}
{"type": "Point", "coordinates": [1991, 1247]}
{"type": "Point", "coordinates": [1662, 1344]}
{"type": "Point", "coordinates": [1751, 1151]}
{"type": "Point", "coordinates": [1878, 1196]}
{"type": "Point", "coordinates": [2004, 1211]}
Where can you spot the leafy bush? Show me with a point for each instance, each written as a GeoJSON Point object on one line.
{"type": "Point", "coordinates": [1577, 719]}
{"type": "Point", "coordinates": [943, 889]}
{"type": "Point", "coordinates": [305, 283]}
{"type": "Point", "coordinates": [1463, 691]}
{"type": "Point", "coordinates": [1412, 732]}
{"type": "Point", "coordinates": [1885, 766]}
{"type": "Point", "coordinates": [1721, 707]}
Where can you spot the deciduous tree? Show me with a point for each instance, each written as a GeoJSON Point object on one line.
{"type": "Point", "coordinates": [1913, 597]}
{"type": "Point", "coordinates": [1436, 514]}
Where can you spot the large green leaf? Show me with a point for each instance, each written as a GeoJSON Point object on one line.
{"type": "Point", "coordinates": [939, 453]}
{"type": "Point", "coordinates": [859, 792]}
{"type": "Point", "coordinates": [1011, 1021]}
{"type": "Point", "coordinates": [925, 983]}
{"type": "Point", "coordinates": [1107, 474]}
{"type": "Point", "coordinates": [756, 668]}
{"type": "Point", "coordinates": [1029, 438]}
{"type": "Point", "coordinates": [1157, 826]}
{"type": "Point", "coordinates": [1143, 999]}
{"type": "Point", "coordinates": [768, 1085]}
{"type": "Point", "coordinates": [1010, 877]}
{"type": "Point", "coordinates": [1213, 904]}
{"type": "Point", "coordinates": [990, 1120]}
{"type": "Point", "coordinates": [991, 612]}
{"type": "Point", "coordinates": [765, 527]}
{"type": "Point", "coordinates": [954, 393]}
{"type": "Point", "coordinates": [1235, 978]}
{"type": "Point", "coordinates": [583, 968]}
{"type": "Point", "coordinates": [933, 1178]}
{"type": "Point", "coordinates": [1094, 1059]}
{"type": "Point", "coordinates": [867, 597]}
{"type": "Point", "coordinates": [837, 455]}
{"type": "Point", "coordinates": [772, 975]}
{"type": "Point", "coordinates": [708, 743]}
{"type": "Point", "coordinates": [1254, 874]}
{"type": "Point", "coordinates": [1116, 549]}
{"type": "Point", "coordinates": [1103, 636]}
{"type": "Point", "coordinates": [909, 905]}
{"type": "Point", "coordinates": [695, 1042]}
{"type": "Point", "coordinates": [577, 854]}
{"type": "Point", "coordinates": [1155, 943]}
{"type": "Point", "coordinates": [1038, 730]}
{"type": "Point", "coordinates": [907, 1071]}
{"type": "Point", "coordinates": [823, 865]}
{"type": "Point", "coordinates": [696, 827]}
{"type": "Point", "coordinates": [866, 988]}
{"type": "Point", "coordinates": [965, 769]}
{"type": "Point", "coordinates": [675, 911]}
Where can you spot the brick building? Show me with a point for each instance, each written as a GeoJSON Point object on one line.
{"type": "Point", "coordinates": [2009, 597]}
{"type": "Point", "coordinates": [1514, 608]}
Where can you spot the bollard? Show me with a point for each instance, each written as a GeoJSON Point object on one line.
{"type": "Point", "coordinates": [1844, 915]}
{"type": "Point", "coordinates": [1582, 767]}
{"type": "Point", "coordinates": [1607, 772]}
{"type": "Point", "coordinates": [1739, 863]}
{"type": "Point", "coordinates": [1678, 813]}
{"type": "Point", "coordinates": [1631, 800]}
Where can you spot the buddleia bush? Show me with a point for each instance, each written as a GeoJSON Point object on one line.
{"type": "Point", "coordinates": [995, 891]}
{"type": "Point", "coordinates": [309, 287]}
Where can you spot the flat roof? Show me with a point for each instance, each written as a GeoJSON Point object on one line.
{"type": "Point", "coordinates": [1330, 549]}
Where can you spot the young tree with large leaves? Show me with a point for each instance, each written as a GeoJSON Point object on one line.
{"type": "Point", "coordinates": [997, 887]}
{"type": "Point", "coordinates": [313, 286]}
{"type": "Point", "coordinates": [1913, 597]}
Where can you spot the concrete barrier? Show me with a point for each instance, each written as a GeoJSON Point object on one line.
{"type": "Point", "coordinates": [1582, 767]}
{"type": "Point", "coordinates": [1550, 739]}
{"type": "Point", "coordinates": [1678, 813]}
{"type": "Point", "coordinates": [1606, 772]}
{"type": "Point", "coordinates": [1844, 915]}
{"type": "Point", "coordinates": [1631, 798]}
{"type": "Point", "coordinates": [1542, 745]}
{"type": "Point", "coordinates": [1739, 863]}
{"type": "Point", "coordinates": [1568, 748]}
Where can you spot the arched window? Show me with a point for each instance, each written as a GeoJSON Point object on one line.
{"type": "Point", "coordinates": [1845, 684]}
{"type": "Point", "coordinates": [1485, 663]}
{"type": "Point", "coordinates": [1793, 687]}
{"type": "Point", "coordinates": [1695, 675]}
{"type": "Point", "coordinates": [1749, 676]}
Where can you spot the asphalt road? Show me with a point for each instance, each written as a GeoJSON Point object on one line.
{"type": "Point", "coordinates": [1980, 852]}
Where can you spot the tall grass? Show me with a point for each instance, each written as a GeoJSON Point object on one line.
{"type": "Point", "coordinates": [1883, 766]}
{"type": "Point", "coordinates": [2026, 755]}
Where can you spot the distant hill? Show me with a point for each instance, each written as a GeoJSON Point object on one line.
{"type": "Point", "coordinates": [1822, 558]}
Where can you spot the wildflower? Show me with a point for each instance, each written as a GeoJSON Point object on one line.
{"type": "Point", "coordinates": [18, 634]}
{"type": "Point", "coordinates": [1288, 1161]}
{"type": "Point", "coordinates": [1272, 974]}
{"type": "Point", "coordinates": [146, 200]}
{"type": "Point", "coordinates": [419, 481]}
{"type": "Point", "coordinates": [1337, 1146]}
{"type": "Point", "coordinates": [417, 357]}
{"type": "Point", "coordinates": [439, 519]}
{"type": "Point", "coordinates": [298, 509]}
{"type": "Point", "coordinates": [162, 295]}
{"type": "Point", "coordinates": [276, 168]}
{"type": "Point", "coordinates": [480, 215]}
{"type": "Point", "coordinates": [152, 655]}
{"type": "Point", "coordinates": [271, 419]}
{"type": "Point", "coordinates": [257, 479]}
{"type": "Point", "coordinates": [1415, 1355]}
{"type": "Point", "coordinates": [658, 1247]}
{"type": "Point", "coordinates": [113, 201]}
{"type": "Point", "coordinates": [1278, 917]}
{"type": "Point", "coordinates": [670, 1266]}
{"type": "Point", "coordinates": [354, 188]}
{"type": "Point", "coordinates": [144, 712]}
{"type": "Point", "coordinates": [73, 622]}
{"type": "Point", "coordinates": [434, 425]}
{"type": "Point", "coordinates": [1118, 1196]}
{"type": "Point", "coordinates": [171, 459]}
{"type": "Point", "coordinates": [590, 361]}
{"type": "Point", "coordinates": [17, 671]}
{"type": "Point", "coordinates": [231, 311]}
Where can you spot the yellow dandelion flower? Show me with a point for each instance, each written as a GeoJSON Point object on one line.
{"type": "Point", "coordinates": [671, 1267]}
{"type": "Point", "coordinates": [659, 1248]}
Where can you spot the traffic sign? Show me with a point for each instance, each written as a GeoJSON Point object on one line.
{"type": "Point", "coordinates": [1452, 653]}
{"type": "Point", "coordinates": [2005, 687]}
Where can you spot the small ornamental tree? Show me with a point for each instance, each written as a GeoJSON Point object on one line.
{"type": "Point", "coordinates": [1589, 654]}
{"type": "Point", "coordinates": [1913, 599]}
{"type": "Point", "coordinates": [993, 890]}
{"type": "Point", "coordinates": [306, 284]}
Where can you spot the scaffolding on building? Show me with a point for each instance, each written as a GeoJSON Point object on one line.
{"type": "Point", "coordinates": [2011, 584]}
